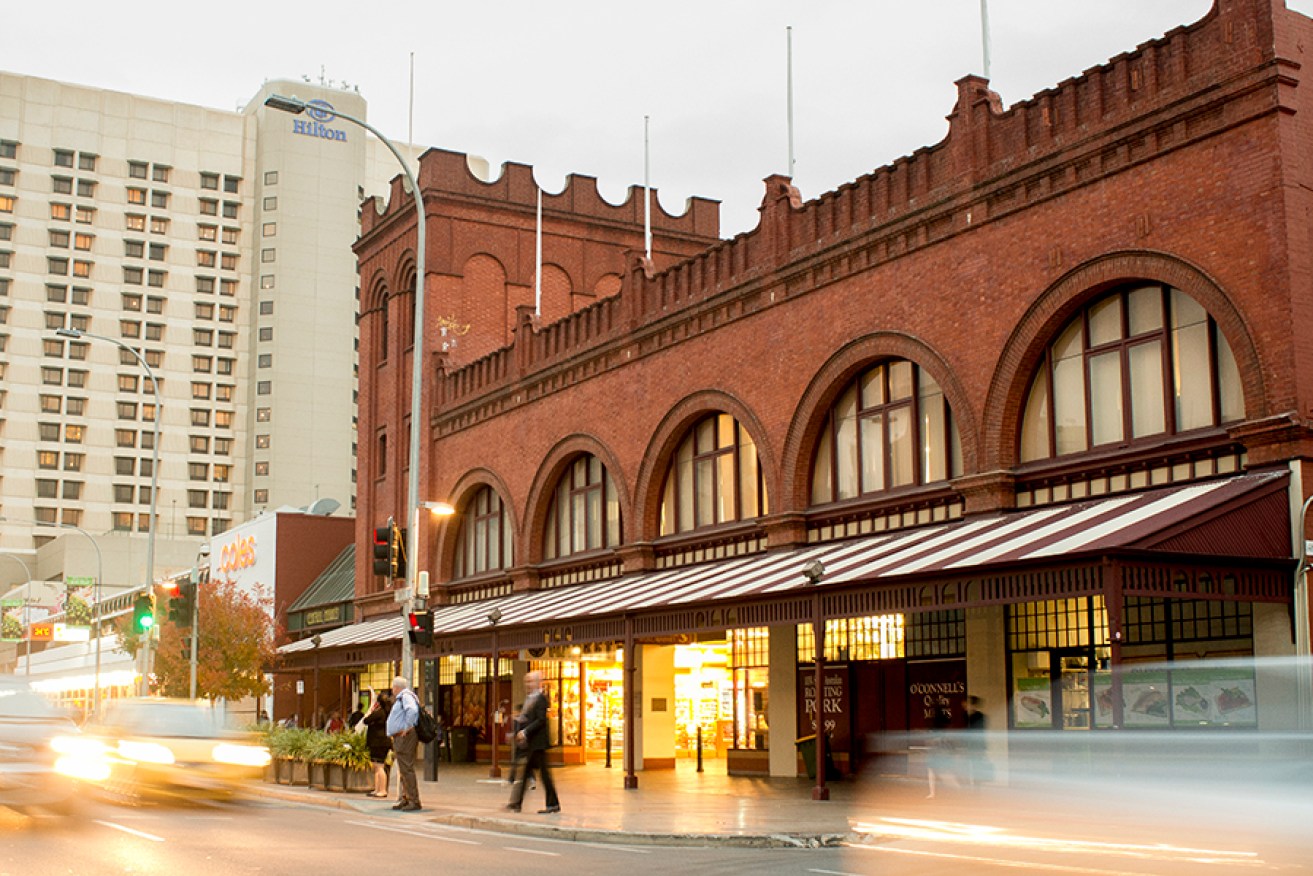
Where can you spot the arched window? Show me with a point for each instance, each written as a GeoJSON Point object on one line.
{"type": "Point", "coordinates": [485, 540]}
{"type": "Point", "coordinates": [890, 428]}
{"type": "Point", "coordinates": [383, 328]}
{"type": "Point", "coordinates": [715, 478]}
{"type": "Point", "coordinates": [1143, 361]}
{"type": "Point", "coordinates": [584, 514]}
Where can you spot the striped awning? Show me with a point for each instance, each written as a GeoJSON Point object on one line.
{"type": "Point", "coordinates": [1057, 532]}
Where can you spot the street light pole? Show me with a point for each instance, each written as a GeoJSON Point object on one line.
{"type": "Point", "coordinates": [148, 661]}
{"type": "Point", "coordinates": [27, 632]}
{"type": "Point", "coordinates": [1304, 691]}
{"type": "Point", "coordinates": [494, 617]}
{"type": "Point", "coordinates": [296, 106]}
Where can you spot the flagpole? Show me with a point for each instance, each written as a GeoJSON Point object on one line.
{"type": "Point", "coordinates": [410, 130]}
{"type": "Point", "coordinates": [538, 259]}
{"type": "Point", "coordinates": [647, 191]}
{"type": "Point", "coordinates": [788, 32]}
{"type": "Point", "coordinates": [984, 33]}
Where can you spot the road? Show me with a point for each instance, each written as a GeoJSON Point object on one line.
{"type": "Point", "coordinates": [273, 838]}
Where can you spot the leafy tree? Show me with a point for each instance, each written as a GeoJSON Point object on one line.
{"type": "Point", "coordinates": [77, 612]}
{"type": "Point", "coordinates": [12, 627]}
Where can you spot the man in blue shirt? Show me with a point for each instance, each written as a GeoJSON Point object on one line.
{"type": "Point", "coordinates": [405, 742]}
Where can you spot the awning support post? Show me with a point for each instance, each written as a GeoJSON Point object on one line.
{"type": "Point", "coordinates": [631, 778]}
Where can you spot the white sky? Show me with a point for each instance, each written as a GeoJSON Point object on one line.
{"type": "Point", "coordinates": [563, 85]}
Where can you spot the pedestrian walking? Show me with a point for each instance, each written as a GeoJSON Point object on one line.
{"type": "Point", "coordinates": [533, 738]}
{"type": "Point", "coordinates": [378, 742]}
{"type": "Point", "coordinates": [979, 768]}
{"type": "Point", "coordinates": [401, 723]}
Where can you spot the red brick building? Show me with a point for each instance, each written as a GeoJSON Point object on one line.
{"type": "Point", "coordinates": [1020, 414]}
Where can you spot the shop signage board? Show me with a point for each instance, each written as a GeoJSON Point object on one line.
{"type": "Point", "coordinates": [1032, 703]}
{"type": "Point", "coordinates": [936, 687]}
{"type": "Point", "coordinates": [835, 704]}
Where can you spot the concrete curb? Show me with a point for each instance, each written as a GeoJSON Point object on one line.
{"type": "Point", "coordinates": [489, 824]}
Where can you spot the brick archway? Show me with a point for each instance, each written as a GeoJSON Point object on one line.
{"type": "Point", "coordinates": [444, 551]}
{"type": "Point", "coordinates": [549, 474]}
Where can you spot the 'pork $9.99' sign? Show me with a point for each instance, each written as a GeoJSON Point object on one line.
{"type": "Point", "coordinates": [238, 555]}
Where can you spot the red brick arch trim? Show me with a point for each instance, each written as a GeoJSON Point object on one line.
{"type": "Point", "coordinates": [1025, 347]}
{"type": "Point", "coordinates": [835, 375]}
{"type": "Point", "coordinates": [460, 495]}
{"type": "Point", "coordinates": [550, 472]}
{"type": "Point", "coordinates": [404, 276]}
{"type": "Point", "coordinates": [377, 296]}
{"type": "Point", "coordinates": [646, 520]}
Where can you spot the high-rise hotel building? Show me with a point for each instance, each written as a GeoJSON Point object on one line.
{"type": "Point", "coordinates": [217, 244]}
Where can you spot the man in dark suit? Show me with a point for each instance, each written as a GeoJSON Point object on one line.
{"type": "Point", "coordinates": [533, 739]}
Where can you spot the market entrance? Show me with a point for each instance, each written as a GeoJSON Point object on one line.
{"type": "Point", "coordinates": [688, 695]}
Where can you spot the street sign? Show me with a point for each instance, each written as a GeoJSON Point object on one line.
{"type": "Point", "coordinates": [80, 582]}
{"type": "Point", "coordinates": [43, 632]}
{"type": "Point", "coordinates": [300, 686]}
{"type": "Point", "coordinates": [402, 594]}
{"type": "Point", "coordinates": [72, 633]}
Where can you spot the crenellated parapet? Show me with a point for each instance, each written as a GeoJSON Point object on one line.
{"type": "Point", "coordinates": [1185, 86]}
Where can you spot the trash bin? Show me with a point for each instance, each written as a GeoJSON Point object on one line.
{"type": "Point", "coordinates": [806, 746]}
{"type": "Point", "coordinates": [461, 740]}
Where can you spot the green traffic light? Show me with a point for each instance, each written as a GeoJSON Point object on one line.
{"type": "Point", "coordinates": [147, 622]}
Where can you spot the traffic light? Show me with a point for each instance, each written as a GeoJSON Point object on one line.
{"type": "Point", "coordinates": [421, 628]}
{"type": "Point", "coordinates": [143, 613]}
{"type": "Point", "coordinates": [182, 604]}
{"type": "Point", "coordinates": [383, 549]}
{"type": "Point", "coordinates": [398, 552]}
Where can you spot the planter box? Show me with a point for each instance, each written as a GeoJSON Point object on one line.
{"type": "Point", "coordinates": [318, 774]}
{"type": "Point", "coordinates": [335, 777]}
{"type": "Point", "coordinates": [359, 781]}
{"type": "Point", "coordinates": [283, 768]}
{"type": "Point", "coordinates": [300, 774]}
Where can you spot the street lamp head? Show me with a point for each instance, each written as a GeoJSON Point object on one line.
{"type": "Point", "coordinates": [494, 616]}
{"type": "Point", "coordinates": [293, 105]}
{"type": "Point", "coordinates": [814, 571]}
{"type": "Point", "coordinates": [69, 332]}
{"type": "Point", "coordinates": [439, 509]}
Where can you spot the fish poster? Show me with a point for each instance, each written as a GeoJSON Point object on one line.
{"type": "Point", "coordinates": [1032, 703]}
{"type": "Point", "coordinates": [1214, 697]}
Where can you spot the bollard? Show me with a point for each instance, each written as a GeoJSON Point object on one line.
{"type": "Point", "coordinates": [608, 746]}
{"type": "Point", "coordinates": [699, 748]}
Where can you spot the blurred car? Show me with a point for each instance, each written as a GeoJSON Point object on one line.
{"type": "Point", "coordinates": [170, 746]}
{"type": "Point", "coordinates": [42, 753]}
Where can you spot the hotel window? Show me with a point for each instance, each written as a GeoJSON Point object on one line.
{"type": "Point", "coordinates": [266, 360]}
{"type": "Point", "coordinates": [159, 200]}
{"type": "Point", "coordinates": [270, 229]}
{"type": "Point", "coordinates": [196, 526]}
{"type": "Point", "coordinates": [86, 161]}
{"type": "Point", "coordinates": [228, 261]}
{"type": "Point", "coordinates": [6, 231]}
{"type": "Point", "coordinates": [128, 382]}
{"type": "Point", "coordinates": [266, 281]}
{"type": "Point", "coordinates": [231, 183]}
{"type": "Point", "coordinates": [227, 313]}
{"type": "Point", "coordinates": [81, 268]}
{"type": "Point", "coordinates": [85, 215]}
{"type": "Point", "coordinates": [270, 204]}
{"type": "Point", "coordinates": [200, 390]}
{"type": "Point", "coordinates": [62, 212]}
{"type": "Point", "coordinates": [57, 265]}
{"type": "Point", "coordinates": [52, 348]}
{"type": "Point", "coordinates": [86, 188]}
{"type": "Point", "coordinates": [263, 415]}
{"type": "Point", "coordinates": [46, 516]}
{"type": "Point", "coordinates": [154, 331]}
{"type": "Point", "coordinates": [266, 308]}
{"type": "Point", "coordinates": [133, 276]}
{"type": "Point", "coordinates": [1144, 361]}
{"type": "Point", "coordinates": [5, 257]}
{"type": "Point", "coordinates": [159, 225]}
{"type": "Point", "coordinates": [77, 351]}
{"type": "Point", "coordinates": [200, 444]}
{"type": "Point", "coordinates": [223, 419]}
{"type": "Point", "coordinates": [160, 173]}
{"type": "Point", "coordinates": [484, 543]}
{"type": "Point", "coordinates": [198, 471]}
{"type": "Point", "coordinates": [266, 334]}
{"type": "Point", "coordinates": [715, 478]}
{"type": "Point", "coordinates": [137, 169]}
{"type": "Point", "coordinates": [204, 311]}
{"type": "Point", "coordinates": [63, 158]}
{"type": "Point", "coordinates": [135, 222]}
{"type": "Point", "coordinates": [262, 442]}
{"type": "Point", "coordinates": [270, 177]}
{"type": "Point", "coordinates": [77, 379]}
{"type": "Point", "coordinates": [72, 490]}
{"type": "Point", "coordinates": [47, 459]}
{"type": "Point", "coordinates": [228, 288]}
{"type": "Point", "coordinates": [223, 446]}
{"type": "Point", "coordinates": [51, 404]}
{"type": "Point", "coordinates": [208, 232]}
{"type": "Point", "coordinates": [147, 464]}
{"type": "Point", "coordinates": [209, 207]}
{"type": "Point", "coordinates": [48, 431]}
{"type": "Point", "coordinates": [52, 376]}
{"type": "Point", "coordinates": [73, 461]}
{"type": "Point", "coordinates": [122, 521]}
{"type": "Point", "coordinates": [7, 206]}
{"type": "Point", "coordinates": [223, 392]}
{"type": "Point", "coordinates": [158, 252]}
{"type": "Point", "coordinates": [155, 279]}
{"type": "Point", "coordinates": [267, 255]}
{"type": "Point", "coordinates": [75, 407]}
{"type": "Point", "coordinates": [83, 241]}
{"type": "Point", "coordinates": [206, 258]}
{"type": "Point", "coordinates": [47, 489]}
{"type": "Point", "coordinates": [125, 466]}
{"type": "Point", "coordinates": [261, 497]}
{"type": "Point", "coordinates": [74, 434]}
{"type": "Point", "coordinates": [226, 340]}
{"type": "Point", "coordinates": [224, 365]}
{"type": "Point", "coordinates": [200, 417]}
{"type": "Point", "coordinates": [137, 196]}
{"type": "Point", "coordinates": [154, 358]}
{"type": "Point", "coordinates": [261, 469]}
{"type": "Point", "coordinates": [202, 337]}
{"type": "Point", "coordinates": [201, 364]}
{"type": "Point", "coordinates": [197, 498]}
{"type": "Point", "coordinates": [231, 235]}
{"type": "Point", "coordinates": [54, 320]}
{"type": "Point", "coordinates": [8, 149]}
{"type": "Point", "coordinates": [61, 185]}
{"type": "Point", "coordinates": [219, 501]}
{"type": "Point", "coordinates": [209, 181]}
{"type": "Point", "coordinates": [71, 516]}
{"type": "Point", "coordinates": [7, 177]}
{"type": "Point", "coordinates": [125, 437]}
{"type": "Point", "coordinates": [222, 472]}
{"type": "Point", "coordinates": [127, 410]}
{"type": "Point", "coordinates": [59, 238]}
{"type": "Point", "coordinates": [264, 387]}
{"type": "Point", "coordinates": [230, 209]}
{"type": "Point", "coordinates": [584, 514]}
{"type": "Point", "coordinates": [81, 296]}
{"type": "Point", "coordinates": [131, 302]}
{"type": "Point", "coordinates": [205, 285]}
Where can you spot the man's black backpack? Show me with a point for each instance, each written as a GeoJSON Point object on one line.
{"type": "Point", "coordinates": [427, 727]}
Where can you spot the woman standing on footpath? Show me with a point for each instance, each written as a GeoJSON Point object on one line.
{"type": "Point", "coordinates": [376, 738]}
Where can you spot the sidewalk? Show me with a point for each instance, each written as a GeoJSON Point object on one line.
{"type": "Point", "coordinates": [672, 807]}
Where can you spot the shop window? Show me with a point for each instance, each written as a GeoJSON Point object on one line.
{"type": "Point", "coordinates": [750, 665]}
{"type": "Point", "coordinates": [584, 514]}
{"type": "Point", "coordinates": [485, 538]}
{"type": "Point", "coordinates": [1142, 362]}
{"type": "Point", "coordinates": [715, 478]}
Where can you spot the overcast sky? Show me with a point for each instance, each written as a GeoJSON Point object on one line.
{"type": "Point", "coordinates": [564, 85]}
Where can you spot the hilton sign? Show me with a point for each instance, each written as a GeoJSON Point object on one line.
{"type": "Point", "coordinates": [319, 111]}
